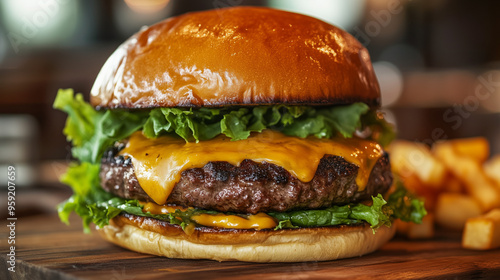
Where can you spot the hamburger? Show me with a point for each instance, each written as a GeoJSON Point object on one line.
{"type": "Point", "coordinates": [247, 134]}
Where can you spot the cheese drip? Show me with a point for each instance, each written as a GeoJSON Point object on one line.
{"type": "Point", "coordinates": [158, 163]}
{"type": "Point", "coordinates": [258, 221]}
{"type": "Point", "coordinates": [154, 208]}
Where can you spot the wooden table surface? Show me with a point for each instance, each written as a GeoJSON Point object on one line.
{"type": "Point", "coordinates": [48, 249]}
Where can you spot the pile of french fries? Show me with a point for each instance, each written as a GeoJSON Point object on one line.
{"type": "Point", "coordinates": [460, 186]}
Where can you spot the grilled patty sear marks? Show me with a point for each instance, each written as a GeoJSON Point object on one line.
{"type": "Point", "coordinates": [252, 187]}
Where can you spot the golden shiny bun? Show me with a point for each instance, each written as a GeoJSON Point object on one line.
{"type": "Point", "coordinates": [237, 56]}
{"type": "Point", "coordinates": [155, 237]}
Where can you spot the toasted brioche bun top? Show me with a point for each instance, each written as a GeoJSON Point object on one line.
{"type": "Point", "coordinates": [237, 56]}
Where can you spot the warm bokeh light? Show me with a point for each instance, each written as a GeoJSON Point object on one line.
{"type": "Point", "coordinates": [3, 46]}
{"type": "Point", "coordinates": [390, 80]}
{"type": "Point", "coordinates": [488, 86]}
{"type": "Point", "coordinates": [33, 22]}
{"type": "Point", "coordinates": [130, 15]}
{"type": "Point", "coordinates": [17, 136]}
{"type": "Point", "coordinates": [344, 14]}
{"type": "Point", "coordinates": [147, 6]}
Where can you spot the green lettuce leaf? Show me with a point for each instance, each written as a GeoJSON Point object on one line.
{"type": "Point", "coordinates": [377, 215]}
{"type": "Point", "coordinates": [237, 123]}
{"type": "Point", "coordinates": [405, 205]}
{"type": "Point", "coordinates": [91, 131]}
{"type": "Point", "coordinates": [111, 126]}
{"type": "Point", "coordinates": [325, 122]}
{"type": "Point", "coordinates": [349, 214]}
{"type": "Point", "coordinates": [382, 131]}
{"type": "Point", "coordinates": [83, 179]}
{"type": "Point", "coordinates": [285, 224]}
{"type": "Point", "coordinates": [401, 204]}
{"type": "Point", "coordinates": [80, 124]}
{"type": "Point", "coordinates": [234, 124]}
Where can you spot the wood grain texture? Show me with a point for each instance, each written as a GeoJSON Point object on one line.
{"type": "Point", "coordinates": [48, 249]}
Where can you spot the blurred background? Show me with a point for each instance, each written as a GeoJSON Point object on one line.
{"type": "Point", "coordinates": [438, 63]}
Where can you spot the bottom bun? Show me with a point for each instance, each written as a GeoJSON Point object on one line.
{"type": "Point", "coordinates": [151, 236]}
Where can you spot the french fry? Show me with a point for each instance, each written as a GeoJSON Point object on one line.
{"type": "Point", "coordinates": [492, 169]}
{"type": "Point", "coordinates": [482, 233]}
{"type": "Point", "coordinates": [412, 182]}
{"type": "Point", "coordinates": [423, 230]}
{"type": "Point", "coordinates": [428, 194]}
{"type": "Point", "coordinates": [417, 231]}
{"type": "Point", "coordinates": [470, 172]}
{"type": "Point", "coordinates": [453, 210]}
{"type": "Point", "coordinates": [453, 184]}
{"type": "Point", "coordinates": [413, 158]}
{"type": "Point", "coordinates": [476, 148]}
{"type": "Point", "coordinates": [457, 183]}
{"type": "Point", "coordinates": [399, 163]}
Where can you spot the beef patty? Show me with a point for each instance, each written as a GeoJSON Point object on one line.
{"type": "Point", "coordinates": [252, 187]}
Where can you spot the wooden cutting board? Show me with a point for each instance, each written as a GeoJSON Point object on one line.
{"type": "Point", "coordinates": [48, 249]}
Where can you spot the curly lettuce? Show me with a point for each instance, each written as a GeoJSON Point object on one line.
{"type": "Point", "coordinates": [91, 131]}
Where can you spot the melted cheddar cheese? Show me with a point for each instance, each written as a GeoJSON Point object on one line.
{"type": "Point", "coordinates": [158, 163]}
{"type": "Point", "coordinates": [258, 221]}
{"type": "Point", "coordinates": [154, 208]}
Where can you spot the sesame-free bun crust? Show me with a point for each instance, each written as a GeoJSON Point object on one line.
{"type": "Point", "coordinates": [237, 56]}
{"type": "Point", "coordinates": [155, 237]}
